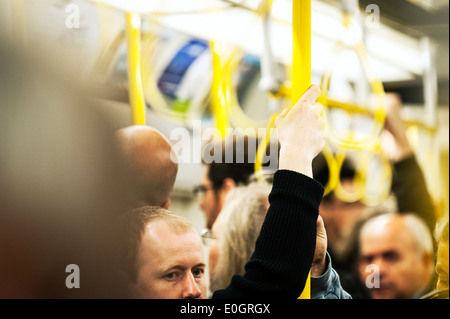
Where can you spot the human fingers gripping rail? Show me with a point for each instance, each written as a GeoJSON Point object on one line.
{"type": "Point", "coordinates": [301, 133]}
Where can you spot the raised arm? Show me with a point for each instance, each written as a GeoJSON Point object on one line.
{"type": "Point", "coordinates": [285, 247]}
{"type": "Point", "coordinates": [408, 184]}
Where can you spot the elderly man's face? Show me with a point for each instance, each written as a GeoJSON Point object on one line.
{"type": "Point", "coordinates": [170, 265]}
{"type": "Point", "coordinates": [403, 270]}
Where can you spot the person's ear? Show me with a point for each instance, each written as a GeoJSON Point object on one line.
{"type": "Point", "coordinates": [228, 184]}
{"type": "Point", "coordinates": [166, 204]}
{"type": "Point", "coordinates": [427, 258]}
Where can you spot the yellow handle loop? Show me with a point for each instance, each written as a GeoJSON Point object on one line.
{"type": "Point", "coordinates": [360, 180]}
{"type": "Point", "coordinates": [333, 170]}
{"type": "Point", "coordinates": [384, 177]}
{"type": "Point", "coordinates": [264, 143]}
{"type": "Point", "coordinates": [236, 115]}
{"type": "Point", "coordinates": [225, 67]}
{"type": "Point", "coordinates": [378, 113]}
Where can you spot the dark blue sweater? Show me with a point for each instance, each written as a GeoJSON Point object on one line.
{"type": "Point", "coordinates": [284, 251]}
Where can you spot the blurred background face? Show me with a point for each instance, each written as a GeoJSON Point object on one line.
{"type": "Point", "coordinates": [340, 218]}
{"type": "Point", "coordinates": [403, 272]}
{"type": "Point", "coordinates": [214, 242]}
{"type": "Point", "coordinates": [210, 200]}
{"type": "Point", "coordinates": [170, 265]}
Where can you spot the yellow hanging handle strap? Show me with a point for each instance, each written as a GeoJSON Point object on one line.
{"type": "Point", "coordinates": [136, 93]}
{"type": "Point", "coordinates": [378, 112]}
{"type": "Point", "coordinates": [301, 68]}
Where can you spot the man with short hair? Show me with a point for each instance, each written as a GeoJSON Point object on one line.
{"type": "Point", "coordinates": [165, 259]}
{"type": "Point", "coordinates": [232, 165]}
{"type": "Point", "coordinates": [229, 162]}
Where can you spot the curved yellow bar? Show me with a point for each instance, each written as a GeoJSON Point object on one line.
{"type": "Point", "coordinates": [333, 170]}
{"type": "Point", "coordinates": [236, 115]}
{"type": "Point", "coordinates": [358, 181]}
{"type": "Point", "coordinates": [136, 93]}
{"type": "Point", "coordinates": [264, 143]}
{"type": "Point", "coordinates": [360, 192]}
{"type": "Point", "coordinates": [384, 188]}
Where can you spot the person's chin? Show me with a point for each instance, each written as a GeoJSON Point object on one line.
{"type": "Point", "coordinates": [385, 291]}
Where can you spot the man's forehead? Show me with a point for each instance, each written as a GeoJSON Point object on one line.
{"type": "Point", "coordinates": [162, 233]}
{"type": "Point", "coordinates": [164, 246]}
{"type": "Point", "coordinates": [390, 242]}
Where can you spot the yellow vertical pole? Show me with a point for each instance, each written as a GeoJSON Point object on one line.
{"type": "Point", "coordinates": [301, 68]}
{"type": "Point", "coordinates": [217, 94]}
{"type": "Point", "coordinates": [136, 94]}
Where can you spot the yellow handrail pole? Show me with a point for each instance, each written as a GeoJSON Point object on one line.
{"type": "Point", "coordinates": [135, 90]}
{"type": "Point", "coordinates": [301, 69]}
{"type": "Point", "coordinates": [218, 100]}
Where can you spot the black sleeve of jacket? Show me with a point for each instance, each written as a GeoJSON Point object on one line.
{"type": "Point", "coordinates": [279, 266]}
{"type": "Point", "coordinates": [410, 189]}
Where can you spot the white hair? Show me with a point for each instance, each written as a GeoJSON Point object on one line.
{"type": "Point", "coordinates": [417, 227]}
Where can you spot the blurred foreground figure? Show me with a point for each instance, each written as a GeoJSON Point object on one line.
{"type": "Point", "coordinates": [58, 186]}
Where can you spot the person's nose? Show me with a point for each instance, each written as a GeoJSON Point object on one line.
{"type": "Point", "coordinates": [382, 266]}
{"type": "Point", "coordinates": [202, 203]}
{"type": "Point", "coordinates": [191, 290]}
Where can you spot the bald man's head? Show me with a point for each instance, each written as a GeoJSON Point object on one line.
{"type": "Point", "coordinates": [150, 171]}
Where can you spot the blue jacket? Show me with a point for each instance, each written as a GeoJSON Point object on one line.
{"type": "Point", "coordinates": [328, 286]}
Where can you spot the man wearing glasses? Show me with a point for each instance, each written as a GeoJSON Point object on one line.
{"type": "Point", "coordinates": [228, 163]}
